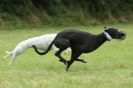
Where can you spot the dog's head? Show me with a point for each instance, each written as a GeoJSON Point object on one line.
{"type": "Point", "coordinates": [115, 34]}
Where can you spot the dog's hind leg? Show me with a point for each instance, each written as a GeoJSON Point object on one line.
{"type": "Point", "coordinates": [58, 54]}
{"type": "Point", "coordinates": [5, 57]}
{"type": "Point", "coordinates": [14, 56]}
{"type": "Point", "coordinates": [62, 44]}
{"type": "Point", "coordinates": [8, 54]}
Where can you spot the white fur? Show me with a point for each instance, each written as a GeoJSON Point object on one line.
{"type": "Point", "coordinates": [41, 42]}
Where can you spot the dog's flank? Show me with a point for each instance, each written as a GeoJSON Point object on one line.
{"type": "Point", "coordinates": [81, 42]}
{"type": "Point", "coordinates": [41, 42]}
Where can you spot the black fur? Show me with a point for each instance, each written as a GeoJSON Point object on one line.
{"type": "Point", "coordinates": [80, 42]}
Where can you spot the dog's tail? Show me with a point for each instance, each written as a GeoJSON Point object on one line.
{"type": "Point", "coordinates": [45, 52]}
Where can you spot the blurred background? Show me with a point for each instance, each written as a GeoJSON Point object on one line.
{"type": "Point", "coordinates": [64, 12]}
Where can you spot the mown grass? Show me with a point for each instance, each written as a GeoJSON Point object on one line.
{"type": "Point", "coordinates": [110, 66]}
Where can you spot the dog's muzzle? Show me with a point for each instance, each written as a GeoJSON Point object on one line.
{"type": "Point", "coordinates": [121, 35]}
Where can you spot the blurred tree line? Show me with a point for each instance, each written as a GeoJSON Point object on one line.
{"type": "Point", "coordinates": [67, 11]}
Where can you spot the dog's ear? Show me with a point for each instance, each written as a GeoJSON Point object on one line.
{"type": "Point", "coordinates": [105, 29]}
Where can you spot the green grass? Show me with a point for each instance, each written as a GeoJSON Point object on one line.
{"type": "Point", "coordinates": [110, 66]}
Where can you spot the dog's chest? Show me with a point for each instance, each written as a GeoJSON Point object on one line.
{"type": "Point", "coordinates": [88, 48]}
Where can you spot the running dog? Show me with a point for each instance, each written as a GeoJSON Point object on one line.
{"type": "Point", "coordinates": [81, 42]}
{"type": "Point", "coordinates": [41, 42]}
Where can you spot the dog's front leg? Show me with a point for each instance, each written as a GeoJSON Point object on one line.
{"type": "Point", "coordinates": [81, 60]}
{"type": "Point", "coordinates": [74, 56]}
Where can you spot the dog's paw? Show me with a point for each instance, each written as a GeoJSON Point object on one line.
{"type": "Point", "coordinates": [33, 45]}
{"type": "Point", "coordinates": [63, 61]}
{"type": "Point", "coordinates": [81, 60]}
{"type": "Point", "coordinates": [84, 61]}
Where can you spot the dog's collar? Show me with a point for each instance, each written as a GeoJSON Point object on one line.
{"type": "Point", "coordinates": [109, 38]}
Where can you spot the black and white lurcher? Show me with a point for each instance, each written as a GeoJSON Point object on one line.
{"type": "Point", "coordinates": [41, 42]}
{"type": "Point", "coordinates": [81, 42]}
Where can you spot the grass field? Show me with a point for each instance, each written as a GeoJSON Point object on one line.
{"type": "Point", "coordinates": [110, 66]}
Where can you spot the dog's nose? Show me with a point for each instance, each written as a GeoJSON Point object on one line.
{"type": "Point", "coordinates": [123, 35]}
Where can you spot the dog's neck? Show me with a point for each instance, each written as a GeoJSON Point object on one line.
{"type": "Point", "coordinates": [100, 39]}
{"type": "Point", "coordinates": [108, 37]}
